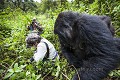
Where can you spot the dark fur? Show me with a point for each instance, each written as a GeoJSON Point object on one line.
{"type": "Point", "coordinates": [107, 20]}
{"type": "Point", "coordinates": [88, 43]}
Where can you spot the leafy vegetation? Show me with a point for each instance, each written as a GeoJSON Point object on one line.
{"type": "Point", "coordinates": [14, 17]}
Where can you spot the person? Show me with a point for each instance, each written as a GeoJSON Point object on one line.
{"type": "Point", "coordinates": [35, 26]}
{"type": "Point", "coordinates": [45, 49]}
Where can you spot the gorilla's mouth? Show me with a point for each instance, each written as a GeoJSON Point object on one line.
{"type": "Point", "coordinates": [64, 39]}
{"type": "Point", "coordinates": [62, 36]}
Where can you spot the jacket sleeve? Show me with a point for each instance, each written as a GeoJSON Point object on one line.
{"type": "Point", "coordinates": [41, 51]}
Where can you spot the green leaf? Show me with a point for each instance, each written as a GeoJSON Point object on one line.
{"type": "Point", "coordinates": [10, 70]}
{"type": "Point", "coordinates": [27, 73]}
{"type": "Point", "coordinates": [8, 75]}
{"type": "Point", "coordinates": [111, 74]}
{"type": "Point", "coordinates": [119, 71]}
{"type": "Point", "coordinates": [23, 66]}
{"type": "Point", "coordinates": [33, 75]}
{"type": "Point", "coordinates": [58, 71]}
{"type": "Point", "coordinates": [18, 70]}
{"type": "Point", "coordinates": [16, 66]}
{"type": "Point", "coordinates": [38, 77]}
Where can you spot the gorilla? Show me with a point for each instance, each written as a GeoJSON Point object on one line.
{"type": "Point", "coordinates": [88, 44]}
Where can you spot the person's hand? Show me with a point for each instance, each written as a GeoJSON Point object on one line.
{"type": "Point", "coordinates": [31, 59]}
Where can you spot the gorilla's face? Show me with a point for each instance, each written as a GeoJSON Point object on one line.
{"type": "Point", "coordinates": [63, 29]}
{"type": "Point", "coordinates": [64, 26]}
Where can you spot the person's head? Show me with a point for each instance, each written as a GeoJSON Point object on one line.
{"type": "Point", "coordinates": [35, 23]}
{"type": "Point", "coordinates": [34, 19]}
{"type": "Point", "coordinates": [32, 40]}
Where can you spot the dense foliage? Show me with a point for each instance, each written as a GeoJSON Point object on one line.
{"type": "Point", "coordinates": [14, 17]}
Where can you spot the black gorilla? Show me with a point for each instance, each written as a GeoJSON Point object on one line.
{"type": "Point", "coordinates": [87, 42]}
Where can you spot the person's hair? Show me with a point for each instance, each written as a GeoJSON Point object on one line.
{"type": "Point", "coordinates": [32, 38]}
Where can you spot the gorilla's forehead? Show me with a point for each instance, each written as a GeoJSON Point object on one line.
{"type": "Point", "coordinates": [64, 20]}
{"type": "Point", "coordinates": [68, 15]}
{"type": "Point", "coordinates": [58, 22]}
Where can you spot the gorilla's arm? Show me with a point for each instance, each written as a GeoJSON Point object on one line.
{"type": "Point", "coordinates": [71, 58]}
{"type": "Point", "coordinates": [95, 69]}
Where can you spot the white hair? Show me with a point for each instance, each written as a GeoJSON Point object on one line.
{"type": "Point", "coordinates": [32, 37]}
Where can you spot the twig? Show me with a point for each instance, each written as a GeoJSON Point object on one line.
{"type": "Point", "coordinates": [5, 63]}
{"type": "Point", "coordinates": [12, 64]}
{"type": "Point", "coordinates": [47, 74]}
{"type": "Point", "coordinates": [3, 73]}
{"type": "Point", "coordinates": [77, 72]}
{"type": "Point", "coordinates": [4, 66]}
{"type": "Point", "coordinates": [15, 61]}
{"type": "Point", "coordinates": [65, 76]}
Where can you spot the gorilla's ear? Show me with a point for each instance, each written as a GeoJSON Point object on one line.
{"type": "Point", "coordinates": [81, 31]}
{"type": "Point", "coordinates": [107, 20]}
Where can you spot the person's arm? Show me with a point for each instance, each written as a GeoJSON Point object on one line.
{"type": "Point", "coordinates": [39, 27]}
{"type": "Point", "coordinates": [41, 51]}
